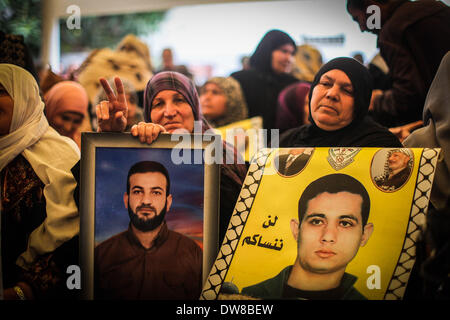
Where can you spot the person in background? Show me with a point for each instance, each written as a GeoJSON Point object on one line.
{"type": "Point", "coordinates": [270, 67]}
{"type": "Point", "coordinates": [308, 61]}
{"type": "Point", "coordinates": [13, 50]}
{"type": "Point", "coordinates": [245, 62]}
{"type": "Point", "coordinates": [39, 216]}
{"type": "Point", "coordinates": [292, 107]}
{"type": "Point", "coordinates": [358, 56]}
{"type": "Point", "coordinates": [66, 105]}
{"type": "Point", "coordinates": [436, 132]}
{"type": "Point", "coordinates": [379, 71]}
{"type": "Point", "coordinates": [413, 38]}
{"type": "Point", "coordinates": [168, 64]}
{"type": "Point", "coordinates": [135, 112]}
{"type": "Point", "coordinates": [222, 101]}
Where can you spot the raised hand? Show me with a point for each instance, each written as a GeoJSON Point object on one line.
{"type": "Point", "coordinates": [112, 114]}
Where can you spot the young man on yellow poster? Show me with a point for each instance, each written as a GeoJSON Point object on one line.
{"type": "Point", "coordinates": [331, 226]}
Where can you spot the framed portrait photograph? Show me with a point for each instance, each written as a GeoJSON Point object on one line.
{"type": "Point", "coordinates": [329, 231]}
{"type": "Point", "coordinates": [149, 216]}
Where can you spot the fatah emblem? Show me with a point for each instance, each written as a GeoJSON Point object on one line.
{"type": "Point", "coordinates": [339, 158]}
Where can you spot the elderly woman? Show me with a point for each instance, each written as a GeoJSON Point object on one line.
{"type": "Point", "coordinates": [171, 102]}
{"type": "Point", "coordinates": [222, 101]}
{"type": "Point", "coordinates": [66, 105]}
{"type": "Point", "coordinates": [39, 217]}
{"type": "Point", "coordinates": [339, 99]}
{"type": "Point", "coordinates": [270, 66]}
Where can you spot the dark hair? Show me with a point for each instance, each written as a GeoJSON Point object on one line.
{"type": "Point", "coordinates": [148, 166]}
{"type": "Point", "coordinates": [334, 183]}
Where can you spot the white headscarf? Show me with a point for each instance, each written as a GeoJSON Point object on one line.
{"type": "Point", "coordinates": [50, 155]}
{"type": "Point", "coordinates": [436, 131]}
{"type": "Point", "coordinates": [28, 122]}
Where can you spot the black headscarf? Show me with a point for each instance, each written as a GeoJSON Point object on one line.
{"type": "Point", "coordinates": [361, 132]}
{"type": "Point", "coordinates": [272, 40]}
{"type": "Point", "coordinates": [261, 85]}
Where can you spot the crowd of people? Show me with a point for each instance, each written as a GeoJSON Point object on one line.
{"type": "Point", "coordinates": [339, 103]}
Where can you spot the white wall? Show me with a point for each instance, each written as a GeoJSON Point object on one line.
{"type": "Point", "coordinates": [219, 34]}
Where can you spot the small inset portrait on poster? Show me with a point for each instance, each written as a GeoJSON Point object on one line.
{"type": "Point", "coordinates": [290, 162]}
{"type": "Point", "coordinates": [391, 168]}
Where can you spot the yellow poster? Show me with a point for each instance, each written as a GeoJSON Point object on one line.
{"type": "Point", "coordinates": [245, 135]}
{"type": "Point", "coordinates": [325, 223]}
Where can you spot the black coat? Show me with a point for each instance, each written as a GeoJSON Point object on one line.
{"type": "Point", "coordinates": [261, 90]}
{"type": "Point", "coordinates": [366, 133]}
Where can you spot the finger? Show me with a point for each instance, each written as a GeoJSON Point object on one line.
{"type": "Point", "coordinates": [156, 132]}
{"type": "Point", "coordinates": [120, 90]}
{"type": "Point", "coordinates": [120, 121]}
{"type": "Point", "coordinates": [134, 130]}
{"type": "Point", "coordinates": [118, 116]}
{"type": "Point", "coordinates": [141, 131]}
{"type": "Point", "coordinates": [108, 90]}
{"type": "Point", "coordinates": [149, 132]}
{"type": "Point", "coordinates": [104, 109]}
{"type": "Point", "coordinates": [162, 129]}
{"type": "Point", "coordinates": [98, 112]}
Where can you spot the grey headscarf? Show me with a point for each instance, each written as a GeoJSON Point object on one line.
{"type": "Point", "coordinates": [236, 109]}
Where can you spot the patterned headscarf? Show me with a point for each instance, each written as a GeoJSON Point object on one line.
{"type": "Point", "coordinates": [13, 50]}
{"type": "Point", "coordinates": [236, 108]}
{"type": "Point", "coordinates": [308, 61]}
{"type": "Point", "coordinates": [169, 80]}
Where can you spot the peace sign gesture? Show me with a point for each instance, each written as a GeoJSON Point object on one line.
{"type": "Point", "coordinates": [112, 114]}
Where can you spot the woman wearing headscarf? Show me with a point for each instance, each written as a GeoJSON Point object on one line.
{"type": "Point", "coordinates": [269, 70]}
{"type": "Point", "coordinates": [39, 215]}
{"type": "Point", "coordinates": [66, 105]}
{"type": "Point", "coordinates": [171, 102]}
{"type": "Point", "coordinates": [222, 101]}
{"type": "Point", "coordinates": [339, 99]}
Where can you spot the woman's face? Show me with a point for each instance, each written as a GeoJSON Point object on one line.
{"type": "Point", "coordinates": [213, 101]}
{"type": "Point", "coordinates": [282, 58]}
{"type": "Point", "coordinates": [67, 123]}
{"type": "Point", "coordinates": [6, 111]}
{"type": "Point", "coordinates": [332, 101]}
{"type": "Point", "coordinates": [171, 110]}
